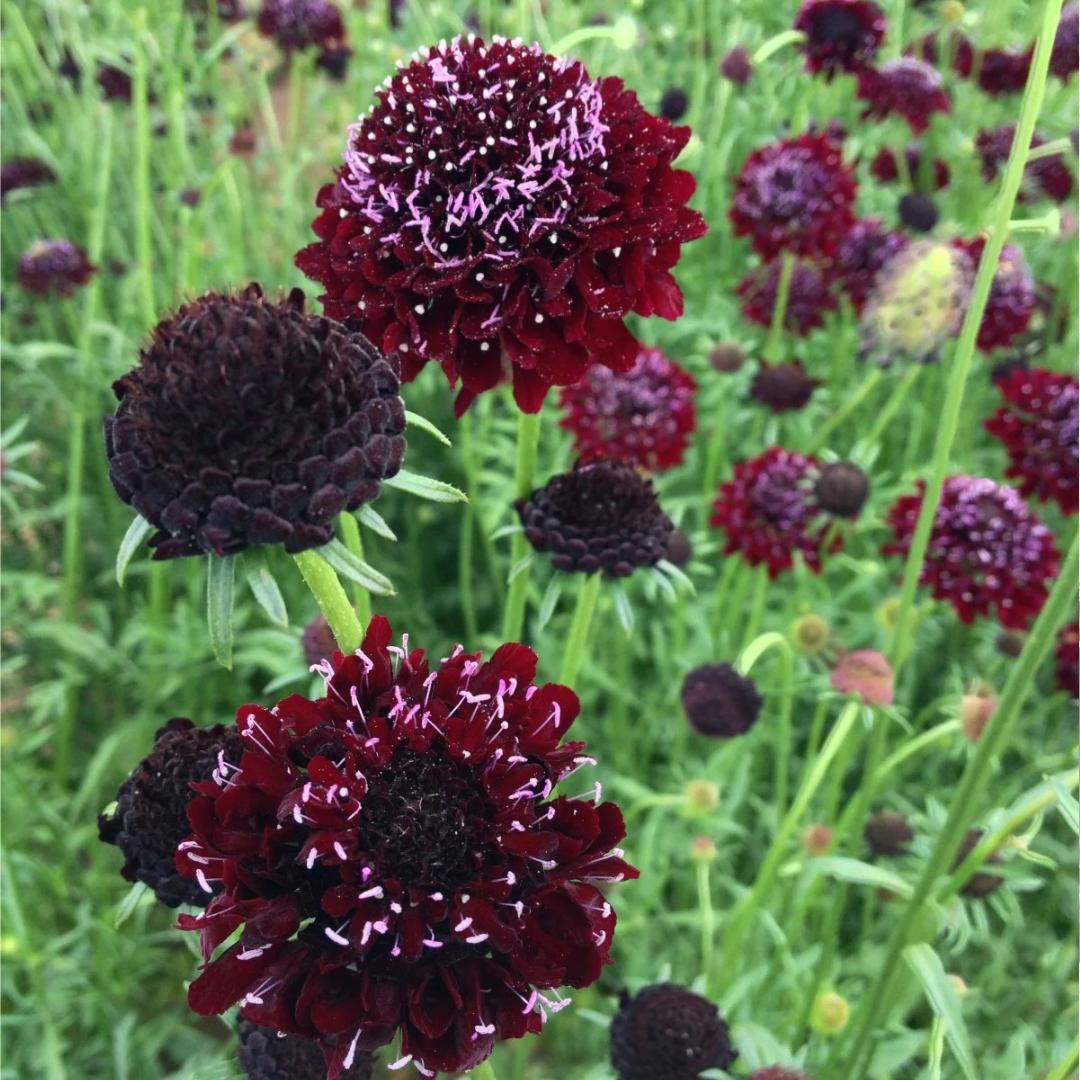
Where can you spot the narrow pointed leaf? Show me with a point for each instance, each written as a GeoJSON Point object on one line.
{"type": "Point", "coordinates": [348, 565]}
{"type": "Point", "coordinates": [126, 908]}
{"type": "Point", "coordinates": [550, 601]}
{"type": "Point", "coordinates": [136, 533]}
{"type": "Point", "coordinates": [370, 517]}
{"type": "Point", "coordinates": [425, 487]}
{"type": "Point", "coordinates": [941, 994]}
{"type": "Point", "coordinates": [220, 596]}
{"type": "Point", "coordinates": [860, 873]}
{"type": "Point", "coordinates": [424, 424]}
{"type": "Point", "coordinates": [623, 610]}
{"type": "Point", "coordinates": [265, 588]}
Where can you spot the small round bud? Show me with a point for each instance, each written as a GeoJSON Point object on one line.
{"type": "Point", "coordinates": [842, 489]}
{"type": "Point", "coordinates": [719, 702]}
{"type": "Point", "coordinates": [917, 212]}
{"type": "Point", "coordinates": [673, 103]}
{"type": "Point", "coordinates": [981, 884]}
{"type": "Point", "coordinates": [702, 850]}
{"type": "Point", "coordinates": [866, 674]}
{"type": "Point", "coordinates": [817, 839]}
{"type": "Point", "coordinates": [810, 634]}
{"type": "Point", "coordinates": [679, 549]}
{"type": "Point", "coordinates": [727, 357]}
{"type": "Point", "coordinates": [624, 33]}
{"type": "Point", "coordinates": [702, 796]}
{"type": "Point", "coordinates": [888, 833]}
{"type": "Point", "coordinates": [975, 711]}
{"type": "Point", "coordinates": [951, 11]}
{"type": "Point", "coordinates": [1010, 643]}
{"type": "Point", "coordinates": [735, 65]}
{"type": "Point", "coordinates": [829, 1015]}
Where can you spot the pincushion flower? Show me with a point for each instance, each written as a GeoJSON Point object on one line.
{"type": "Point", "coordinates": [301, 24]}
{"type": "Point", "coordinates": [264, 1055]}
{"type": "Point", "coordinates": [1011, 302]}
{"type": "Point", "coordinates": [49, 266]}
{"type": "Point", "coordinates": [1038, 427]}
{"type": "Point", "coordinates": [20, 173]}
{"type": "Point", "coordinates": [719, 702]}
{"type": "Point", "coordinates": [397, 861]}
{"type": "Point", "coordinates": [808, 297]}
{"type": "Point", "coordinates": [794, 195]}
{"type": "Point", "coordinates": [1067, 660]}
{"type": "Point", "coordinates": [885, 167]}
{"type": "Point", "coordinates": [988, 555]}
{"type": "Point", "coordinates": [888, 833]}
{"type": "Point", "coordinates": [1004, 71]}
{"type": "Point", "coordinates": [1048, 176]}
{"type": "Point", "coordinates": [863, 250]}
{"type": "Point", "coordinates": [908, 87]}
{"type": "Point", "coordinates": [644, 416]}
{"type": "Point", "coordinates": [1063, 55]}
{"type": "Point", "coordinates": [980, 884]}
{"type": "Point", "coordinates": [783, 387]}
{"type": "Point", "coordinates": [500, 212]}
{"type": "Point", "coordinates": [767, 511]}
{"type": "Point", "coordinates": [841, 35]}
{"type": "Point", "coordinates": [251, 422]}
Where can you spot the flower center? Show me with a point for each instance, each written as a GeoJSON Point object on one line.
{"type": "Point", "coordinates": [838, 26]}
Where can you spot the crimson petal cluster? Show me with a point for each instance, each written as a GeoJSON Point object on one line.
{"type": "Point", "coordinates": [841, 35]}
{"type": "Point", "coordinates": [1011, 302]}
{"type": "Point", "coordinates": [808, 296]}
{"type": "Point", "coordinates": [49, 266]}
{"type": "Point", "coordinates": [908, 87]}
{"type": "Point", "coordinates": [861, 254]}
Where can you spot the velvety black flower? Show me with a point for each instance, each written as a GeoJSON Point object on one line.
{"type": "Point", "coordinates": [980, 884]}
{"type": "Point", "coordinates": [666, 1032]}
{"type": "Point", "coordinates": [53, 266]}
{"type": "Point", "coordinates": [335, 61]}
{"type": "Point", "coordinates": [674, 103]}
{"type": "Point", "coordinates": [1038, 426]}
{"type": "Point", "coordinates": [841, 35]}
{"type": "Point", "coordinates": [680, 548]}
{"type": "Point", "coordinates": [190, 197]}
{"type": "Point", "coordinates": [917, 212]}
{"type": "Point", "coordinates": [644, 416]}
{"type": "Point", "coordinates": [735, 66]}
{"type": "Point", "coordinates": [397, 861]}
{"type": "Point", "coordinates": [727, 357]}
{"type": "Point", "coordinates": [908, 87]}
{"type": "Point", "coordinates": [1004, 71]}
{"type": "Point", "coordinates": [318, 641]}
{"type": "Point", "coordinates": [1048, 176]}
{"type": "Point", "coordinates": [601, 515]}
{"type": "Point", "coordinates": [808, 297]}
{"type": "Point", "coordinates": [768, 511]}
{"type": "Point", "coordinates": [1011, 302]}
{"type": "Point", "coordinates": [301, 24]}
{"type": "Point", "coordinates": [888, 833]}
{"type": "Point", "coordinates": [263, 1054]}
{"type": "Point", "coordinates": [252, 422]}
{"type": "Point", "coordinates": [863, 250]}
{"type": "Point", "coordinates": [783, 387]}
{"type": "Point", "coordinates": [885, 167]}
{"type": "Point", "coordinates": [115, 83]}
{"type": "Point", "coordinates": [1067, 660]}
{"type": "Point", "coordinates": [511, 236]}
{"type": "Point", "coordinates": [243, 142]}
{"type": "Point", "coordinates": [795, 195]}
{"type": "Point", "coordinates": [841, 489]}
{"type": "Point", "coordinates": [1063, 55]}
{"type": "Point", "coordinates": [150, 818]}
{"type": "Point", "coordinates": [19, 173]}
{"type": "Point", "coordinates": [988, 553]}
{"type": "Point", "coordinates": [719, 702]}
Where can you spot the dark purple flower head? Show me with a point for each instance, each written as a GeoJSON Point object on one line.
{"type": "Point", "coordinates": [719, 702]}
{"type": "Point", "coordinates": [1004, 71]}
{"type": "Point", "coordinates": [398, 862]}
{"type": "Point", "coordinates": [888, 833]}
{"type": "Point", "coordinates": [1063, 56]}
{"type": "Point", "coordinates": [1067, 660]}
{"type": "Point", "coordinates": [53, 266]}
{"type": "Point", "coordinates": [243, 142]}
{"type": "Point", "coordinates": [917, 212]}
{"type": "Point", "coordinates": [263, 1054]}
{"type": "Point", "coordinates": [863, 250]}
{"type": "Point", "coordinates": [908, 87]}
{"type": "Point", "coordinates": [842, 488]}
{"type": "Point", "coordinates": [841, 35]}
{"type": "Point", "coordinates": [115, 83]}
{"type": "Point", "coordinates": [727, 357]}
{"type": "Point", "coordinates": [644, 416]}
{"type": "Point", "coordinates": [989, 555]}
{"type": "Point", "coordinates": [317, 641]}
{"type": "Point", "coordinates": [673, 103]}
{"type": "Point", "coordinates": [981, 884]}
{"type": "Point", "coordinates": [251, 422]}
{"type": "Point", "coordinates": [808, 297]}
{"type": "Point", "coordinates": [783, 387]}
{"type": "Point", "coordinates": [1011, 302]}
{"type": "Point", "coordinates": [500, 213]}
{"type": "Point", "coordinates": [1048, 176]}
{"type": "Point", "coordinates": [885, 167]}
{"type": "Point", "coordinates": [335, 61]}
{"type": "Point", "coordinates": [795, 195]}
{"type": "Point", "coordinates": [600, 516]}
{"type": "Point", "coordinates": [665, 1032]}
{"type": "Point", "coordinates": [301, 24]}
{"type": "Point", "coordinates": [19, 173]}
{"type": "Point", "coordinates": [735, 66]}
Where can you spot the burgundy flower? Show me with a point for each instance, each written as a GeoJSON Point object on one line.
{"type": "Point", "coordinates": [251, 422]}
{"type": "Point", "coordinates": [988, 553]}
{"type": "Point", "coordinates": [794, 195]}
{"type": "Point", "coordinates": [509, 236]}
{"type": "Point", "coordinates": [888, 833]}
{"type": "Point", "coordinates": [885, 168]}
{"type": "Point", "coordinates": [719, 702]}
{"type": "Point", "coordinates": [808, 297]}
{"type": "Point", "coordinates": [1063, 55]}
{"type": "Point", "coordinates": [958, 45]}
{"type": "Point", "coordinates": [727, 357]}
{"type": "Point", "coordinates": [19, 173]}
{"type": "Point", "coordinates": [1038, 428]}
{"type": "Point", "coordinates": [768, 511]}
{"type": "Point", "coordinates": [908, 87]}
{"type": "Point", "coordinates": [600, 516]}
{"type": "Point", "coordinates": [863, 250]}
{"type": "Point", "coordinates": [301, 24]}
{"type": "Point", "coordinates": [841, 35]}
{"type": "Point", "coordinates": [981, 884]}
{"type": "Point", "coordinates": [783, 387]}
{"type": "Point", "coordinates": [53, 266]}
{"type": "Point", "coordinates": [1067, 660]}
{"type": "Point", "coordinates": [1049, 176]}
{"type": "Point", "coordinates": [1004, 71]}
{"type": "Point", "coordinates": [335, 61]}
{"type": "Point", "coordinates": [1011, 302]}
{"type": "Point", "coordinates": [243, 142]}
{"type": "Point", "coordinates": [398, 862]}
{"type": "Point", "coordinates": [644, 416]}
{"type": "Point", "coordinates": [114, 82]}
{"type": "Point", "coordinates": [735, 66]}
{"type": "Point", "coordinates": [842, 489]}
{"type": "Point", "coordinates": [264, 1055]}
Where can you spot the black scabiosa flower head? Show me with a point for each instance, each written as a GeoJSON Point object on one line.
{"type": "Point", "coordinates": [886, 168]}
{"type": "Point", "coordinates": [808, 297]}
{"type": "Point", "coordinates": [719, 702]}
{"type": "Point", "coordinates": [736, 66]}
{"type": "Point", "coordinates": [601, 515]}
{"type": "Point", "coordinates": [301, 24]}
{"type": "Point", "coordinates": [1004, 71]}
{"type": "Point", "coordinates": [888, 833]}
{"type": "Point", "coordinates": [841, 489]}
{"type": "Point", "coordinates": [317, 641]}
{"type": "Point", "coordinates": [674, 103]}
{"type": "Point", "coordinates": [981, 884]}
{"type": "Point", "coordinates": [1046, 176]}
{"type": "Point", "coordinates": [263, 1054]}
{"type": "Point", "coordinates": [115, 83]}
{"type": "Point", "coordinates": [49, 266]}
{"type": "Point", "coordinates": [1011, 302]}
{"type": "Point", "coordinates": [1067, 660]}
{"type": "Point", "coordinates": [908, 87]}
{"type": "Point", "coordinates": [1063, 55]}
{"type": "Point", "coordinates": [917, 212]}
{"type": "Point", "coordinates": [335, 61]}
{"type": "Point", "coordinates": [150, 818]}
{"type": "Point", "coordinates": [20, 173]}
{"type": "Point", "coordinates": [500, 212]}
{"type": "Point", "coordinates": [860, 255]}
{"type": "Point", "coordinates": [794, 195]}
{"type": "Point", "coordinates": [727, 357]}
{"type": "Point", "coordinates": [397, 861]}
{"type": "Point", "coordinates": [243, 142]}
{"type": "Point", "coordinates": [841, 35]}
{"type": "Point", "coordinates": [783, 387]}
{"type": "Point", "coordinates": [666, 1032]}
{"type": "Point", "coordinates": [251, 422]}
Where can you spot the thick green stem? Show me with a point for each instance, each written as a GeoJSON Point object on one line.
{"type": "Point", "coordinates": [708, 922]}
{"type": "Point", "coordinates": [750, 655]}
{"type": "Point", "coordinates": [350, 534]}
{"type": "Point", "coordinates": [574, 656]}
{"type": "Point", "coordinates": [527, 442]}
{"type": "Point", "coordinates": [323, 582]}
{"type": "Point", "coordinates": [783, 291]}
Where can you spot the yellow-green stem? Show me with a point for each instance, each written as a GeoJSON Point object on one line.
{"type": "Point", "coordinates": [517, 589]}
{"type": "Point", "coordinates": [574, 655]}
{"type": "Point", "coordinates": [350, 534]}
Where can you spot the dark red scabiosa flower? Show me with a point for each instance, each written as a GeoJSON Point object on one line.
{"type": "Point", "coordinates": [1004, 71]}
{"type": "Point", "coordinates": [863, 250]}
{"type": "Point", "coordinates": [888, 833]}
{"type": "Point", "coordinates": [1048, 176]}
{"type": "Point", "coordinates": [317, 641]}
{"type": "Point", "coordinates": [397, 860]}
{"type": "Point", "coordinates": [1038, 427]}
{"type": "Point", "coordinates": [783, 387]}
{"type": "Point", "coordinates": [673, 103]}
{"type": "Point", "coordinates": [1063, 55]}
{"type": "Point", "coordinates": [252, 422]}
{"type": "Point", "coordinates": [794, 195]}
{"type": "Point", "coordinates": [808, 297]}
{"type": "Point", "coordinates": [735, 66]}
{"type": "Point", "coordinates": [49, 266]}
{"type": "Point", "coordinates": [666, 1032]}
{"type": "Point", "coordinates": [885, 167]}
{"type": "Point", "coordinates": [841, 35]}
{"type": "Point", "coordinates": [644, 416]}
{"type": "Point", "coordinates": [22, 173]}
{"type": "Point", "coordinates": [719, 702]}
{"type": "Point", "coordinates": [842, 488]}
{"type": "Point", "coordinates": [115, 83]}
{"type": "Point", "coordinates": [957, 45]}
{"type": "Point", "coordinates": [499, 212]}
{"type": "Point", "coordinates": [908, 87]}
{"type": "Point", "coordinates": [263, 1054]}
{"type": "Point", "coordinates": [1011, 302]}
{"type": "Point", "coordinates": [600, 516]}
{"type": "Point", "coordinates": [979, 885]}
{"type": "Point", "coordinates": [768, 511]}
{"type": "Point", "coordinates": [301, 24]}
{"type": "Point", "coordinates": [1067, 660]}
{"type": "Point", "coordinates": [335, 61]}
{"type": "Point", "coordinates": [989, 555]}
{"type": "Point", "coordinates": [150, 816]}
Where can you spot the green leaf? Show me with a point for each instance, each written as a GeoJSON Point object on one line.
{"type": "Point", "coordinates": [623, 610]}
{"type": "Point", "coordinates": [941, 994]}
{"type": "Point", "coordinates": [676, 575]}
{"type": "Point", "coordinates": [860, 873]}
{"type": "Point", "coordinates": [424, 424]}
{"type": "Point", "coordinates": [126, 908]}
{"type": "Point", "coordinates": [522, 564]}
{"type": "Point", "coordinates": [550, 601]}
{"type": "Point", "coordinates": [348, 565]}
{"type": "Point", "coordinates": [1067, 804]}
{"type": "Point", "coordinates": [136, 533]}
{"type": "Point", "coordinates": [265, 588]}
{"type": "Point", "coordinates": [220, 577]}
{"type": "Point", "coordinates": [426, 488]}
{"type": "Point", "coordinates": [370, 517]}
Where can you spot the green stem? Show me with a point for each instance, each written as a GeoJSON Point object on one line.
{"type": "Point", "coordinates": [895, 400]}
{"type": "Point", "coordinates": [783, 291]}
{"type": "Point", "coordinates": [757, 604]}
{"type": "Point", "coordinates": [1061, 1070]}
{"type": "Point", "coordinates": [323, 582]}
{"type": "Point", "coordinates": [776, 43]}
{"type": "Point", "coordinates": [350, 534]}
{"type": "Point", "coordinates": [574, 656]}
{"type": "Point", "coordinates": [708, 922]}
{"type": "Point", "coordinates": [852, 402]}
{"type": "Point", "coordinates": [527, 442]}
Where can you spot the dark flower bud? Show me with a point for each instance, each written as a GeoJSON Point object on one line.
{"type": "Point", "coordinates": [726, 357]}
{"type": "Point", "coordinates": [978, 885]}
{"type": "Point", "coordinates": [190, 197]}
{"type": "Point", "coordinates": [842, 489]}
{"type": "Point", "coordinates": [680, 549]}
{"type": "Point", "coordinates": [719, 702]}
{"type": "Point", "coordinates": [918, 212]}
{"type": "Point", "coordinates": [673, 103]}
{"type": "Point", "coordinates": [263, 1054]}
{"type": "Point", "coordinates": [888, 833]}
{"type": "Point", "coordinates": [735, 66]}
{"type": "Point", "coordinates": [23, 173]}
{"type": "Point", "coordinates": [783, 387]}
{"type": "Point", "coordinates": [243, 142]}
